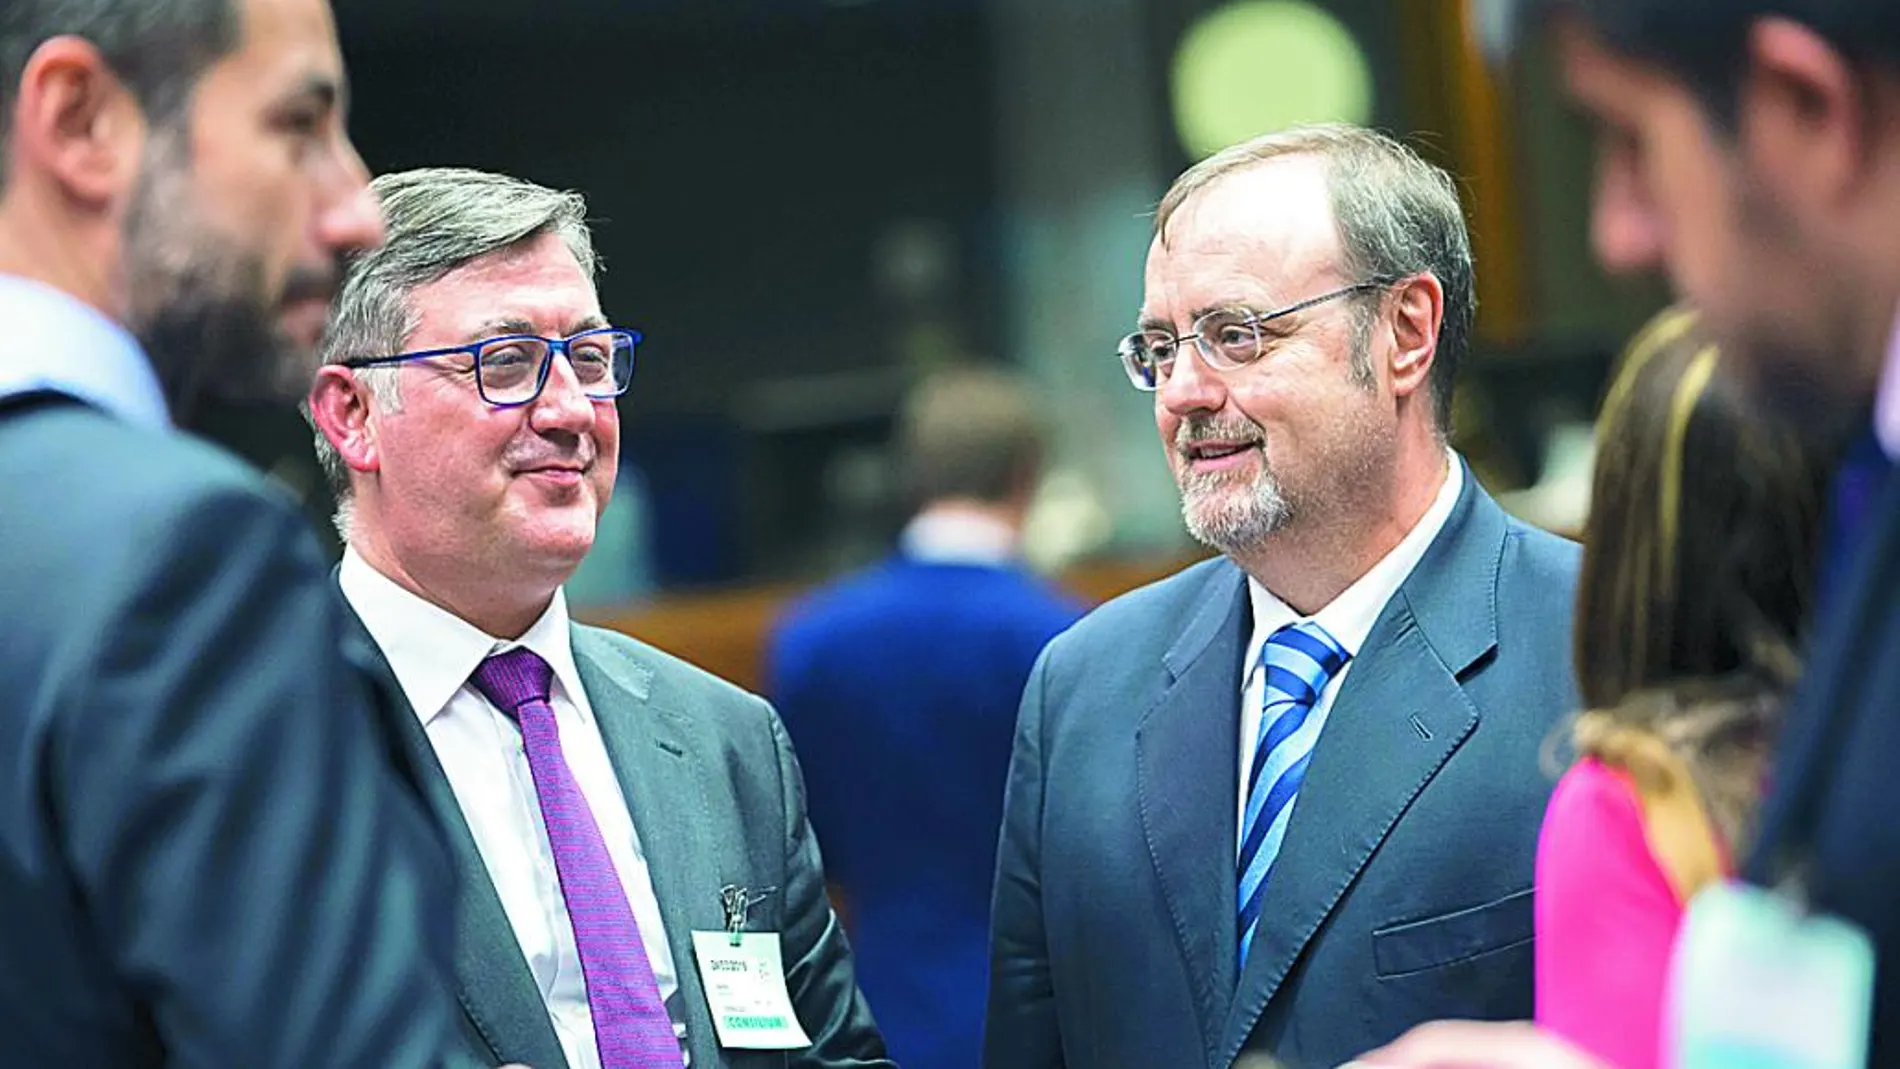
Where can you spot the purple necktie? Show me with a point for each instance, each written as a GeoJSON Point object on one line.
{"type": "Point", "coordinates": [631, 1027]}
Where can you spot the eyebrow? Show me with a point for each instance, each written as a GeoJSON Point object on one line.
{"type": "Point", "coordinates": [495, 328]}
{"type": "Point", "coordinates": [321, 89]}
{"type": "Point", "coordinates": [1155, 323]}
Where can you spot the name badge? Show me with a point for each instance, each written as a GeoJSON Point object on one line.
{"type": "Point", "coordinates": [744, 979]}
{"type": "Point", "coordinates": [1757, 982]}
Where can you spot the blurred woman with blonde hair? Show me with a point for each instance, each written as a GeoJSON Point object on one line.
{"type": "Point", "coordinates": [1698, 574]}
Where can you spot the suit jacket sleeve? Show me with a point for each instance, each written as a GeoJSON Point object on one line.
{"type": "Point", "coordinates": [250, 863]}
{"type": "Point", "coordinates": [1021, 1031]}
{"type": "Point", "coordinates": [818, 968]}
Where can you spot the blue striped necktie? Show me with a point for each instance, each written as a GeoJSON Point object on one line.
{"type": "Point", "coordinates": [1299, 660]}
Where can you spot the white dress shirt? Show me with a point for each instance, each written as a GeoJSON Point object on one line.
{"type": "Point", "coordinates": [58, 343]}
{"type": "Point", "coordinates": [1348, 618]}
{"type": "Point", "coordinates": [1887, 401]}
{"type": "Point", "coordinates": [433, 654]}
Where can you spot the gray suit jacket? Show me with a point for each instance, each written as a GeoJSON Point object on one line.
{"type": "Point", "coordinates": [716, 793]}
{"type": "Point", "coordinates": [1402, 890]}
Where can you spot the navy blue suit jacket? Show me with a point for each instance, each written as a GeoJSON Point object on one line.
{"type": "Point", "coordinates": [900, 687]}
{"type": "Point", "coordinates": [1829, 815]}
{"type": "Point", "coordinates": [205, 857]}
{"type": "Point", "coordinates": [1402, 891]}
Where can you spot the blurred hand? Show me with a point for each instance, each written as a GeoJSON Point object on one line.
{"type": "Point", "coordinates": [1477, 1045]}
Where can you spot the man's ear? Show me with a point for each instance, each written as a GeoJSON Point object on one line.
{"type": "Point", "coordinates": [340, 409]}
{"type": "Point", "coordinates": [1418, 311]}
{"type": "Point", "coordinates": [1802, 113]}
{"type": "Point", "coordinates": [76, 123]}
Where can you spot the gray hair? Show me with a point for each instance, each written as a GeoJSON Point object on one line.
{"type": "Point", "coordinates": [438, 219]}
{"type": "Point", "coordinates": [158, 48]}
{"type": "Point", "coordinates": [1397, 216]}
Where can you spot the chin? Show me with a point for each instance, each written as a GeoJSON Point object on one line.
{"type": "Point", "coordinates": [558, 546]}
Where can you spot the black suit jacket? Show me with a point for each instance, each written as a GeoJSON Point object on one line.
{"type": "Point", "coordinates": [1830, 816]}
{"type": "Point", "coordinates": [718, 799]}
{"type": "Point", "coordinates": [204, 860]}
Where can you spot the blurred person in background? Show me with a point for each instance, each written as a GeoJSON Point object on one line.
{"type": "Point", "coordinates": [900, 686]}
{"type": "Point", "coordinates": [205, 856]}
{"type": "Point", "coordinates": [1698, 574]}
{"type": "Point", "coordinates": [1344, 711]}
{"type": "Point", "coordinates": [604, 800]}
{"type": "Point", "coordinates": [1750, 149]}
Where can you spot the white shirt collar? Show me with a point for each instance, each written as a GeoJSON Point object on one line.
{"type": "Point", "coordinates": [58, 343]}
{"type": "Point", "coordinates": [958, 537]}
{"type": "Point", "coordinates": [1887, 401]}
{"type": "Point", "coordinates": [1350, 616]}
{"type": "Point", "coordinates": [433, 652]}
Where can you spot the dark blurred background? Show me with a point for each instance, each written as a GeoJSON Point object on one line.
{"type": "Point", "coordinates": [806, 204]}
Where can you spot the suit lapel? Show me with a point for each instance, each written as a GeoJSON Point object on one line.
{"type": "Point", "coordinates": [660, 775]}
{"type": "Point", "coordinates": [1187, 783]}
{"type": "Point", "coordinates": [496, 990]}
{"type": "Point", "coordinates": [1399, 715]}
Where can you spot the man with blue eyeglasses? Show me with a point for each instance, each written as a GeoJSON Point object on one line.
{"type": "Point", "coordinates": [640, 884]}
{"type": "Point", "coordinates": [1285, 803]}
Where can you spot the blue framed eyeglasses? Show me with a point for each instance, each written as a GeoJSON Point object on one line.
{"type": "Point", "coordinates": [512, 369]}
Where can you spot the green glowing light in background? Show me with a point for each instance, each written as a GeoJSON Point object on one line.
{"type": "Point", "coordinates": [1259, 65]}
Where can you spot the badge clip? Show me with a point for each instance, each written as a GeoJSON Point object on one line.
{"type": "Point", "coordinates": [738, 902]}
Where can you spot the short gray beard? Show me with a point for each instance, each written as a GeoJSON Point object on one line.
{"type": "Point", "coordinates": [1223, 511]}
{"type": "Point", "coordinates": [1230, 518]}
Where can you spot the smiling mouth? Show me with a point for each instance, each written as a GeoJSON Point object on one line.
{"type": "Point", "coordinates": [1199, 451]}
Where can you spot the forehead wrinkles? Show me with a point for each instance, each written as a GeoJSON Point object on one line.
{"type": "Point", "coordinates": [541, 282]}
{"type": "Point", "coordinates": [1232, 270]}
{"type": "Point", "coordinates": [1265, 233]}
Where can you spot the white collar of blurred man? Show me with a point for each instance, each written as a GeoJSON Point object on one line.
{"type": "Point", "coordinates": [1310, 464]}
{"type": "Point", "coordinates": [209, 219]}
{"type": "Point", "coordinates": [98, 362]}
{"type": "Point", "coordinates": [964, 532]}
{"type": "Point", "coordinates": [1887, 404]}
{"type": "Point", "coordinates": [483, 511]}
{"type": "Point", "coordinates": [1768, 195]}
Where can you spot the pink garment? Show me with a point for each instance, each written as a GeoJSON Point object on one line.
{"type": "Point", "coordinates": [1606, 919]}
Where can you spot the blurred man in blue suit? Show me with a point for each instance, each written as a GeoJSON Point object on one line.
{"type": "Point", "coordinates": [900, 686]}
{"type": "Point", "coordinates": [1286, 802]}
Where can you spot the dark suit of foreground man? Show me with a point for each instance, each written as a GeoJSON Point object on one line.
{"type": "Point", "coordinates": [204, 857]}
{"type": "Point", "coordinates": [599, 794]}
{"type": "Point", "coordinates": [1191, 869]}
